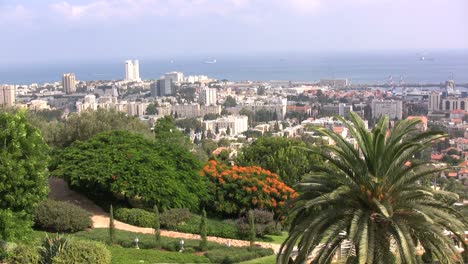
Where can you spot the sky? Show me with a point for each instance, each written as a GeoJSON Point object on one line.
{"type": "Point", "coordinates": [54, 30]}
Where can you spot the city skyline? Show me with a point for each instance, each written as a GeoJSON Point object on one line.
{"type": "Point", "coordinates": [53, 30]}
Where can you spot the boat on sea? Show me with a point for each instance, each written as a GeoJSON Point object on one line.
{"type": "Point", "coordinates": [210, 61]}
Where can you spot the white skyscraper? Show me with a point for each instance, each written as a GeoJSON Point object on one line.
{"type": "Point", "coordinates": [132, 71]}
{"type": "Point", "coordinates": [69, 83]}
{"type": "Point", "coordinates": [208, 96]}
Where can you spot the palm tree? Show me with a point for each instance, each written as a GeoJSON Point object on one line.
{"type": "Point", "coordinates": [371, 198]}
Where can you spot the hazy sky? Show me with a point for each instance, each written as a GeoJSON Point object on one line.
{"type": "Point", "coordinates": [37, 30]}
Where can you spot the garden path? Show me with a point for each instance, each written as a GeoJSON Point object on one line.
{"type": "Point", "coordinates": [60, 191]}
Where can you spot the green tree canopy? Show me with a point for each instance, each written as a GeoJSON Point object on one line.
{"type": "Point", "coordinates": [373, 199]}
{"type": "Point", "coordinates": [283, 156]}
{"type": "Point", "coordinates": [82, 126]}
{"type": "Point", "coordinates": [23, 179]}
{"type": "Point", "coordinates": [230, 102]}
{"type": "Point", "coordinates": [130, 167]}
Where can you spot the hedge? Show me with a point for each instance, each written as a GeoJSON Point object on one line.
{"type": "Point", "coordinates": [58, 216]}
{"type": "Point", "coordinates": [180, 220]}
{"type": "Point", "coordinates": [238, 255]}
{"type": "Point", "coordinates": [23, 254]}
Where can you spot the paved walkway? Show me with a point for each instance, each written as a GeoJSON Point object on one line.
{"type": "Point", "coordinates": [60, 191]}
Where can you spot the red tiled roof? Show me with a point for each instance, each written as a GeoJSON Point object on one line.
{"type": "Point", "coordinates": [452, 174]}
{"type": "Point", "coordinates": [436, 156]}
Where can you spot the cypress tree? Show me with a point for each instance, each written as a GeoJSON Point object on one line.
{"type": "Point", "coordinates": [204, 240]}
{"type": "Point", "coordinates": [157, 227]}
{"type": "Point", "coordinates": [111, 226]}
{"type": "Point", "coordinates": [252, 228]}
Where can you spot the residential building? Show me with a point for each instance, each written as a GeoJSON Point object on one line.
{"type": "Point", "coordinates": [434, 101]}
{"type": "Point", "coordinates": [208, 96]}
{"type": "Point", "coordinates": [170, 79]}
{"type": "Point", "coordinates": [69, 83]}
{"type": "Point", "coordinates": [391, 108]}
{"type": "Point", "coordinates": [7, 95]}
{"type": "Point", "coordinates": [344, 109]}
{"type": "Point", "coordinates": [132, 71]}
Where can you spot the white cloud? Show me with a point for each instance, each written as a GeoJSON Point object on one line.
{"type": "Point", "coordinates": [118, 9]}
{"type": "Point", "coordinates": [17, 14]}
{"type": "Point", "coordinates": [304, 6]}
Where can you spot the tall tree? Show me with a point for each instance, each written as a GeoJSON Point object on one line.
{"type": "Point", "coordinates": [204, 239]}
{"type": "Point", "coordinates": [23, 178]}
{"type": "Point", "coordinates": [286, 157]}
{"type": "Point", "coordinates": [372, 198]}
{"type": "Point", "coordinates": [111, 226]}
{"type": "Point", "coordinates": [252, 232]}
{"type": "Point", "coordinates": [157, 227]}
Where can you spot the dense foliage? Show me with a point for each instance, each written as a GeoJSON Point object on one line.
{"type": "Point", "coordinates": [177, 220]}
{"type": "Point", "coordinates": [238, 189]}
{"type": "Point", "coordinates": [286, 157]}
{"type": "Point", "coordinates": [130, 167]}
{"type": "Point", "coordinates": [58, 216]}
{"type": "Point", "coordinates": [263, 222]}
{"type": "Point", "coordinates": [82, 251]}
{"type": "Point", "coordinates": [23, 254]}
{"type": "Point", "coordinates": [23, 179]}
{"type": "Point", "coordinates": [373, 199]}
{"type": "Point", "coordinates": [83, 126]}
{"type": "Point", "coordinates": [239, 255]}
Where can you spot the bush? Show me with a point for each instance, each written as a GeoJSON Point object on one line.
{"type": "Point", "coordinates": [236, 255]}
{"type": "Point", "coordinates": [238, 189]}
{"type": "Point", "coordinates": [264, 224]}
{"type": "Point", "coordinates": [24, 254]}
{"type": "Point", "coordinates": [135, 216]}
{"type": "Point", "coordinates": [58, 216]}
{"type": "Point", "coordinates": [174, 217]}
{"type": "Point", "coordinates": [82, 251]}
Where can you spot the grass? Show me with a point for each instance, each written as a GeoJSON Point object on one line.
{"type": "Point", "coordinates": [122, 255]}
{"type": "Point", "coordinates": [124, 252]}
{"type": "Point", "coordinates": [276, 239]}
{"type": "Point", "coordinates": [265, 260]}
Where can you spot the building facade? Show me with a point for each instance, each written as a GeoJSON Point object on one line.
{"type": "Point", "coordinates": [434, 101]}
{"type": "Point", "coordinates": [391, 108]}
{"type": "Point", "coordinates": [208, 96]}
{"type": "Point", "coordinates": [132, 71]}
{"type": "Point", "coordinates": [451, 104]}
{"type": "Point", "coordinates": [69, 83]}
{"type": "Point", "coordinates": [7, 95]}
{"type": "Point", "coordinates": [236, 124]}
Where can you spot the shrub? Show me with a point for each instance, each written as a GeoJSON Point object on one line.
{"type": "Point", "coordinates": [82, 251]}
{"type": "Point", "coordinates": [135, 216]}
{"type": "Point", "coordinates": [24, 254]}
{"type": "Point", "coordinates": [264, 224]}
{"type": "Point", "coordinates": [58, 216]}
{"type": "Point", "coordinates": [174, 217]}
{"type": "Point", "coordinates": [238, 189]}
{"type": "Point", "coordinates": [52, 247]}
{"type": "Point", "coordinates": [236, 255]}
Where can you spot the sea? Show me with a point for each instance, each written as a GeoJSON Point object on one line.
{"type": "Point", "coordinates": [358, 67]}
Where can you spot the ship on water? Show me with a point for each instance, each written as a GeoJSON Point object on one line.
{"type": "Point", "coordinates": [210, 61]}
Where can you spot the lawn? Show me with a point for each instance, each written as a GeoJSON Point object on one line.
{"type": "Point", "coordinates": [276, 239]}
{"type": "Point", "coordinates": [265, 260]}
{"type": "Point", "coordinates": [122, 255]}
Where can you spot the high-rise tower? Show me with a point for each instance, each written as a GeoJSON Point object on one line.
{"type": "Point", "coordinates": [132, 70]}
{"type": "Point", "coordinates": [69, 83]}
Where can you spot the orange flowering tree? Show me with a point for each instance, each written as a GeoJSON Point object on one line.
{"type": "Point", "coordinates": [238, 189]}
